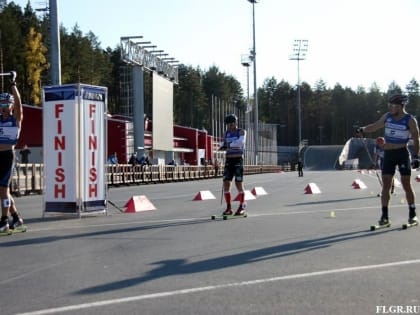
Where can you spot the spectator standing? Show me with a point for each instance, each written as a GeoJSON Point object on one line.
{"type": "Point", "coordinates": [24, 157]}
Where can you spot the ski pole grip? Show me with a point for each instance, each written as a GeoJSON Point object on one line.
{"type": "Point", "coordinates": [12, 77]}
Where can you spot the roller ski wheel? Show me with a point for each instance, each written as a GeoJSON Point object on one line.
{"type": "Point", "coordinates": [380, 226]}
{"type": "Point", "coordinates": [6, 233]}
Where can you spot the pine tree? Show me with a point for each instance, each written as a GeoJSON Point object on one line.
{"type": "Point", "coordinates": [3, 4]}
{"type": "Point", "coordinates": [35, 64]}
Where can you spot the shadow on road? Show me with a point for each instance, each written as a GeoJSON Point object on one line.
{"type": "Point", "coordinates": [176, 267]}
{"type": "Point", "coordinates": [48, 239]}
{"type": "Point", "coordinates": [329, 201]}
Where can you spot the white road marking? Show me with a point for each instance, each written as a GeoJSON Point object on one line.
{"type": "Point", "coordinates": [217, 287]}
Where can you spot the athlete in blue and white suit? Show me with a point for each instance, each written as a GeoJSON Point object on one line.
{"type": "Point", "coordinates": [11, 116]}
{"type": "Point", "coordinates": [234, 144]}
{"type": "Point", "coordinates": [399, 127]}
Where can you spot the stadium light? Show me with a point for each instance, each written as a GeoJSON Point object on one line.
{"type": "Point", "coordinates": [130, 37]}
{"type": "Point", "coordinates": [135, 53]}
{"type": "Point", "coordinates": [300, 48]}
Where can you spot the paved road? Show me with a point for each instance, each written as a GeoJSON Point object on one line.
{"type": "Point", "coordinates": [288, 257]}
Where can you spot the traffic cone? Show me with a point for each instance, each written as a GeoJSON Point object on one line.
{"type": "Point", "coordinates": [397, 183]}
{"type": "Point", "coordinates": [248, 196]}
{"type": "Point", "coordinates": [312, 188]}
{"type": "Point", "coordinates": [258, 191]}
{"type": "Point", "coordinates": [138, 204]}
{"type": "Point", "coordinates": [204, 195]}
{"type": "Point", "coordinates": [358, 184]}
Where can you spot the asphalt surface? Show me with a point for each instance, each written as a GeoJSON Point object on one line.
{"type": "Point", "coordinates": [296, 253]}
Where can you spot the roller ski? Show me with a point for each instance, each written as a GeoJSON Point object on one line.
{"type": "Point", "coordinates": [235, 216]}
{"type": "Point", "coordinates": [383, 223]}
{"type": "Point", "coordinates": [228, 217]}
{"type": "Point", "coordinates": [19, 229]}
{"type": "Point", "coordinates": [229, 214]}
{"type": "Point", "coordinates": [15, 226]}
{"type": "Point", "coordinates": [411, 222]}
{"type": "Point", "coordinates": [4, 227]}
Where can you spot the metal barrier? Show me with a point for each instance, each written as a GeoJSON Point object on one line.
{"type": "Point", "coordinates": [26, 179]}
{"type": "Point", "coordinates": [29, 178]}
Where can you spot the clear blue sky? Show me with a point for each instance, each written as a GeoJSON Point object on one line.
{"type": "Point", "coordinates": [353, 42]}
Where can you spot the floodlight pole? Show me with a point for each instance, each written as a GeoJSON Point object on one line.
{"type": "Point", "coordinates": [254, 60]}
{"type": "Point", "coordinates": [55, 43]}
{"type": "Point", "coordinates": [246, 62]}
{"type": "Point", "coordinates": [300, 47]}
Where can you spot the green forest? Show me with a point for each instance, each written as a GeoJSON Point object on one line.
{"type": "Point", "coordinates": [329, 115]}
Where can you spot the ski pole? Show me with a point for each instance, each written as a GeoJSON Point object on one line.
{"type": "Point", "coordinates": [5, 74]}
{"type": "Point", "coordinates": [115, 206]}
{"type": "Point", "coordinates": [372, 161]}
{"type": "Point", "coordinates": [221, 195]}
{"type": "Point", "coordinates": [367, 151]}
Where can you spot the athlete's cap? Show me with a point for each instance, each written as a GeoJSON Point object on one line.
{"type": "Point", "coordinates": [399, 99]}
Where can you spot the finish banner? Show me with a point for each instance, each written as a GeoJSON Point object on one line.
{"type": "Point", "coordinates": [74, 127]}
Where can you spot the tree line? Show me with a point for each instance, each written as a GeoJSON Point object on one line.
{"type": "Point", "coordinates": [328, 115]}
